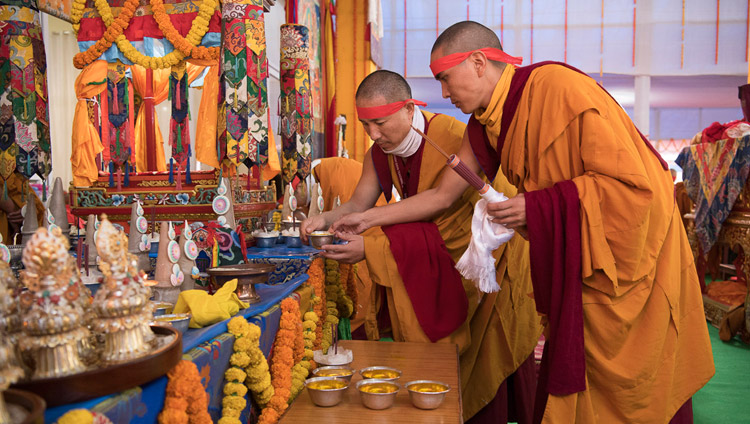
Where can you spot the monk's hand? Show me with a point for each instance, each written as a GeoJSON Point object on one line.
{"type": "Point", "coordinates": [510, 213]}
{"type": "Point", "coordinates": [314, 223]}
{"type": "Point", "coordinates": [353, 223]}
{"type": "Point", "coordinates": [350, 253]}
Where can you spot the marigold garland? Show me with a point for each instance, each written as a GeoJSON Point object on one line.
{"type": "Point", "coordinates": [184, 47]}
{"type": "Point", "coordinates": [77, 416]}
{"type": "Point", "coordinates": [114, 32]}
{"type": "Point", "coordinates": [351, 288]}
{"type": "Point", "coordinates": [302, 368]}
{"type": "Point", "coordinates": [189, 46]}
{"type": "Point", "coordinates": [76, 13]}
{"type": "Point", "coordinates": [317, 282]}
{"type": "Point", "coordinates": [247, 365]}
{"type": "Point", "coordinates": [282, 363]}
{"type": "Point", "coordinates": [186, 398]}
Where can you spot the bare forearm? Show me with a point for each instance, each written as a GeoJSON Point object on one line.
{"type": "Point", "coordinates": [425, 206]}
{"type": "Point", "coordinates": [345, 209]}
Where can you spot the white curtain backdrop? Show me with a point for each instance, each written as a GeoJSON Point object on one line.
{"type": "Point", "coordinates": [658, 33]}
{"type": "Point", "coordinates": [60, 44]}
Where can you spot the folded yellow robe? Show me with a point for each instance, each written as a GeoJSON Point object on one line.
{"type": "Point", "coordinates": [209, 309]}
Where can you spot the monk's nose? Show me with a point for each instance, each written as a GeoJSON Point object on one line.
{"type": "Point", "coordinates": [444, 88]}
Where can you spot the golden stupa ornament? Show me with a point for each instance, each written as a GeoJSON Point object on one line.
{"type": "Point", "coordinates": [121, 304]}
{"type": "Point", "coordinates": [53, 318]}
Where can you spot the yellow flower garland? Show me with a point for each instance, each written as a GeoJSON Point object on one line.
{"type": "Point", "coordinates": [77, 416]}
{"type": "Point", "coordinates": [302, 369]}
{"type": "Point", "coordinates": [248, 365]}
{"type": "Point", "coordinates": [184, 47]}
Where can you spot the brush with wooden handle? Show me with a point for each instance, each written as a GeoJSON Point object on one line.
{"type": "Point", "coordinates": [461, 169]}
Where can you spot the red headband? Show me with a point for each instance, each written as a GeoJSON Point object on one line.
{"type": "Point", "coordinates": [451, 60]}
{"type": "Point", "coordinates": [376, 112]}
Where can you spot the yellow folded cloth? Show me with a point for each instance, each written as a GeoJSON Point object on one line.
{"type": "Point", "coordinates": [209, 309]}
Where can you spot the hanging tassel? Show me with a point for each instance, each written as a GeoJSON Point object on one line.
{"type": "Point", "coordinates": [188, 180]}
{"type": "Point", "coordinates": [243, 243]}
{"type": "Point", "coordinates": [215, 254]}
{"type": "Point", "coordinates": [127, 173]}
{"type": "Point", "coordinates": [5, 190]}
{"type": "Point", "coordinates": [119, 178]}
{"type": "Point", "coordinates": [178, 98]}
{"type": "Point", "coordinates": [115, 100]}
{"type": "Point", "coordinates": [111, 174]}
{"type": "Point", "coordinates": [171, 171]}
{"type": "Point", "coordinates": [178, 147]}
{"type": "Point", "coordinates": [179, 177]}
{"type": "Point", "coordinates": [44, 190]}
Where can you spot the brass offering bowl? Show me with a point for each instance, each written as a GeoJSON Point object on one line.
{"type": "Point", "coordinates": [269, 226]}
{"type": "Point", "coordinates": [247, 276]}
{"type": "Point", "coordinates": [377, 394]}
{"type": "Point", "coordinates": [318, 239]}
{"type": "Point", "coordinates": [292, 241]}
{"type": "Point", "coordinates": [288, 225]}
{"type": "Point", "coordinates": [162, 308]}
{"type": "Point", "coordinates": [265, 241]}
{"type": "Point", "coordinates": [427, 394]}
{"type": "Point", "coordinates": [326, 391]}
{"type": "Point", "coordinates": [337, 371]}
{"type": "Point", "coordinates": [380, 373]}
{"type": "Point", "coordinates": [179, 321]}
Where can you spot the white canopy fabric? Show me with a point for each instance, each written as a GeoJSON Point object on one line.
{"type": "Point", "coordinates": [596, 41]}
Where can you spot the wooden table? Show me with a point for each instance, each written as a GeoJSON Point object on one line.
{"type": "Point", "coordinates": [417, 361]}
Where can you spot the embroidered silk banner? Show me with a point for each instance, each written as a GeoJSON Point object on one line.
{"type": "Point", "coordinates": [179, 134]}
{"type": "Point", "coordinates": [120, 128]}
{"type": "Point", "coordinates": [245, 84]}
{"type": "Point", "coordinates": [295, 103]}
{"type": "Point", "coordinates": [24, 118]}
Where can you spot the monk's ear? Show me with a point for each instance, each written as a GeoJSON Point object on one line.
{"type": "Point", "coordinates": [479, 62]}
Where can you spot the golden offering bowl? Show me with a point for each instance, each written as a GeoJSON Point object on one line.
{"type": "Point", "coordinates": [318, 239]}
{"type": "Point", "coordinates": [380, 373]}
{"type": "Point", "coordinates": [326, 391]}
{"type": "Point", "coordinates": [162, 308]}
{"type": "Point", "coordinates": [338, 371]}
{"type": "Point", "coordinates": [179, 321]}
{"type": "Point", "coordinates": [427, 394]}
{"type": "Point", "coordinates": [377, 394]}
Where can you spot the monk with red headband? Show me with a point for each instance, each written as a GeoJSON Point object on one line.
{"type": "Point", "coordinates": [611, 267]}
{"type": "Point", "coordinates": [417, 289]}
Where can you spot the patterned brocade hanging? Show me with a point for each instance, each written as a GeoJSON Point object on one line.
{"type": "Point", "coordinates": [24, 118]}
{"type": "Point", "coordinates": [295, 103]}
{"type": "Point", "coordinates": [119, 101]}
{"type": "Point", "coordinates": [245, 78]}
{"type": "Point", "coordinates": [179, 134]}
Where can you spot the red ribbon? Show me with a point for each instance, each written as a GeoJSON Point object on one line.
{"type": "Point", "coordinates": [376, 112]}
{"type": "Point", "coordinates": [448, 61]}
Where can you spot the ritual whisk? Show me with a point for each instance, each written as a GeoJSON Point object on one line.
{"type": "Point", "coordinates": [461, 169]}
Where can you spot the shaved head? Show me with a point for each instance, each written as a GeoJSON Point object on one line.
{"type": "Point", "coordinates": [464, 37]}
{"type": "Point", "coordinates": [384, 83]}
